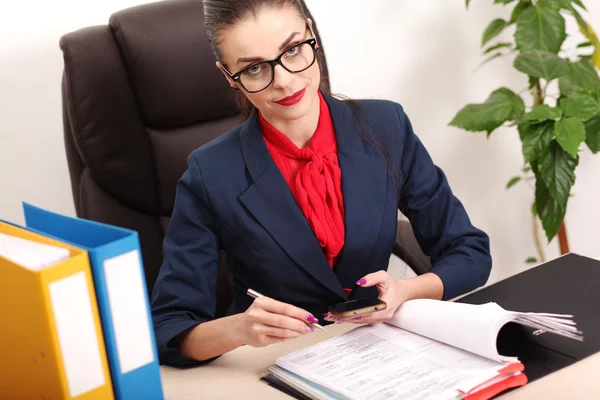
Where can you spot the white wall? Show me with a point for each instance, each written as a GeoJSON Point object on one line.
{"type": "Point", "coordinates": [422, 54]}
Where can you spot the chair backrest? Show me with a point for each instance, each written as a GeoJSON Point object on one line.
{"type": "Point", "coordinates": [139, 95]}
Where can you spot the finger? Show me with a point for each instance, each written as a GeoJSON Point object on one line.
{"type": "Point", "coordinates": [332, 318]}
{"type": "Point", "coordinates": [380, 316]}
{"type": "Point", "coordinates": [383, 315]}
{"type": "Point", "coordinates": [269, 340]}
{"type": "Point", "coordinates": [355, 320]}
{"type": "Point", "coordinates": [285, 322]}
{"type": "Point", "coordinates": [280, 333]}
{"type": "Point", "coordinates": [366, 323]}
{"type": "Point", "coordinates": [260, 315]}
{"type": "Point", "coordinates": [278, 307]}
{"type": "Point", "coordinates": [379, 277]}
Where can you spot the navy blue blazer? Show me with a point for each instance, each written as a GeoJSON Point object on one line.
{"type": "Point", "coordinates": [233, 197]}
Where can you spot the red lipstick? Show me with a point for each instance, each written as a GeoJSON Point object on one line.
{"type": "Point", "coordinates": [293, 99]}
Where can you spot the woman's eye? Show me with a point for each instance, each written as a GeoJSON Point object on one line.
{"type": "Point", "coordinates": [255, 69]}
{"type": "Point", "coordinates": [292, 51]}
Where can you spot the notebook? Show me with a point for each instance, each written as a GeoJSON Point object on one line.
{"type": "Point", "coordinates": [429, 350]}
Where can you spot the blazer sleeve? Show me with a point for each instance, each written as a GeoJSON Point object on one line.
{"type": "Point", "coordinates": [459, 252]}
{"type": "Point", "coordinates": [184, 293]}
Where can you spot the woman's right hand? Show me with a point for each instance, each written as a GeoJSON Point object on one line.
{"type": "Point", "coordinates": [269, 321]}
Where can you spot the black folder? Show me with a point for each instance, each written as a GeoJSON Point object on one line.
{"type": "Point", "coordinates": [567, 285]}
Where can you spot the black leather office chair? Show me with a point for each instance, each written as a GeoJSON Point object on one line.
{"type": "Point", "coordinates": [139, 95]}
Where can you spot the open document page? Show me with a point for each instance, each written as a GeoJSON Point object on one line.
{"type": "Point", "coordinates": [384, 362]}
{"type": "Point", "coordinates": [472, 327]}
{"type": "Point", "coordinates": [429, 350]}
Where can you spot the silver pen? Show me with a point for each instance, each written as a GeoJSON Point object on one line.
{"type": "Point", "coordinates": [254, 294]}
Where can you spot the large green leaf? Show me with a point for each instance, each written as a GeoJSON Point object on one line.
{"type": "Point", "coordinates": [592, 134]}
{"type": "Point", "coordinates": [543, 113]}
{"type": "Point", "coordinates": [494, 29]}
{"type": "Point", "coordinates": [556, 168]}
{"type": "Point", "coordinates": [551, 213]}
{"type": "Point", "coordinates": [581, 104]}
{"type": "Point", "coordinates": [555, 4]}
{"type": "Point", "coordinates": [541, 64]}
{"type": "Point", "coordinates": [519, 8]}
{"type": "Point", "coordinates": [502, 105]}
{"type": "Point", "coordinates": [536, 138]}
{"type": "Point", "coordinates": [540, 28]}
{"type": "Point", "coordinates": [570, 133]}
{"type": "Point", "coordinates": [503, 1]}
{"type": "Point", "coordinates": [583, 76]}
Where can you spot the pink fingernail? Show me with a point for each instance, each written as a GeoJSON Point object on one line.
{"type": "Point", "coordinates": [357, 318]}
{"type": "Point", "coordinates": [361, 282]}
{"type": "Point", "coordinates": [309, 329]}
{"type": "Point", "coordinates": [311, 318]}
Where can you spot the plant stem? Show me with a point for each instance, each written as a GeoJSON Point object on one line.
{"type": "Point", "coordinates": [538, 97]}
{"type": "Point", "coordinates": [562, 239]}
{"type": "Point", "coordinates": [538, 242]}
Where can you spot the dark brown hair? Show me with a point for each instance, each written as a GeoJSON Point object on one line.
{"type": "Point", "coordinates": [220, 14]}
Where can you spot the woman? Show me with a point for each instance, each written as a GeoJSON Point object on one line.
{"type": "Point", "coordinates": [303, 196]}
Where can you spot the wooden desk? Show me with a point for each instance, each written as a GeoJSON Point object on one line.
{"type": "Point", "coordinates": [236, 375]}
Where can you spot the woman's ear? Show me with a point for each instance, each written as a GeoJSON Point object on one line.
{"type": "Point", "coordinates": [312, 29]}
{"type": "Point", "coordinates": [232, 83]}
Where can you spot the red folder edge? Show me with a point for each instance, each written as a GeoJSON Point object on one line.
{"type": "Point", "coordinates": [499, 387]}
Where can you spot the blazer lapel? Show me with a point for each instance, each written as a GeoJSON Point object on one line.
{"type": "Point", "coordinates": [364, 187]}
{"type": "Point", "coordinates": [273, 205]}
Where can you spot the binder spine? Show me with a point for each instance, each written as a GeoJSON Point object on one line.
{"type": "Point", "coordinates": [74, 321]}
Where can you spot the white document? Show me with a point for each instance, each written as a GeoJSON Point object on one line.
{"type": "Point", "coordinates": [472, 327]}
{"type": "Point", "coordinates": [30, 254]}
{"type": "Point", "coordinates": [383, 362]}
{"type": "Point", "coordinates": [430, 349]}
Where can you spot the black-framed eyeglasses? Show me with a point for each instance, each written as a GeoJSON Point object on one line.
{"type": "Point", "coordinates": [257, 77]}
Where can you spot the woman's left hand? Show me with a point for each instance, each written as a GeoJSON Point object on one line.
{"type": "Point", "coordinates": [392, 291]}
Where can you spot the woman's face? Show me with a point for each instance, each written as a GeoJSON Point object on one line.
{"type": "Point", "coordinates": [272, 32]}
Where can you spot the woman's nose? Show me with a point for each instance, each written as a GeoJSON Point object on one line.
{"type": "Point", "coordinates": [282, 77]}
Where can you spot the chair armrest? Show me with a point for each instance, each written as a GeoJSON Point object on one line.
{"type": "Point", "coordinates": [407, 249]}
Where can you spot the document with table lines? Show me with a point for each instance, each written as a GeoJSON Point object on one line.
{"type": "Point", "coordinates": [384, 362]}
{"type": "Point", "coordinates": [430, 349]}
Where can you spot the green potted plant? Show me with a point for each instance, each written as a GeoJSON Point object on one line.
{"type": "Point", "coordinates": [554, 129]}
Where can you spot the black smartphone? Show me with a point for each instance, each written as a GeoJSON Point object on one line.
{"type": "Point", "coordinates": [355, 308]}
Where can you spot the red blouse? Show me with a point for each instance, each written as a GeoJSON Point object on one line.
{"type": "Point", "coordinates": [315, 179]}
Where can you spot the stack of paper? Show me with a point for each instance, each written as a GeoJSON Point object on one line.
{"type": "Point", "coordinates": [29, 254]}
{"type": "Point", "coordinates": [429, 350]}
{"type": "Point", "coordinates": [559, 324]}
{"type": "Point", "coordinates": [473, 327]}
